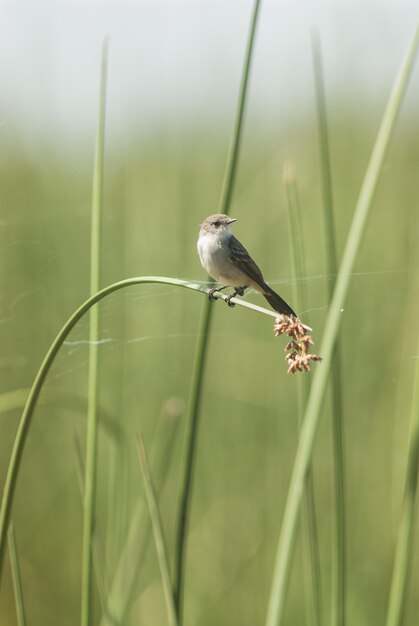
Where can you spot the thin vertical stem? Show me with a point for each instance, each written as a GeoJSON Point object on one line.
{"type": "Point", "coordinates": [97, 544]}
{"type": "Point", "coordinates": [16, 577]}
{"type": "Point", "coordinates": [157, 526]}
{"type": "Point", "coordinates": [189, 451]}
{"type": "Point", "coordinates": [189, 456]}
{"type": "Point", "coordinates": [233, 153]}
{"type": "Point", "coordinates": [339, 552]}
{"type": "Point", "coordinates": [404, 549]}
{"type": "Point", "coordinates": [310, 536]}
{"type": "Point", "coordinates": [137, 536]}
{"type": "Point", "coordinates": [93, 377]}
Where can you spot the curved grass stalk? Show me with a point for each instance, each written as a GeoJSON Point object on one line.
{"type": "Point", "coordinates": [188, 456]}
{"type": "Point", "coordinates": [32, 399]}
{"type": "Point", "coordinates": [286, 542]}
{"type": "Point", "coordinates": [339, 552]}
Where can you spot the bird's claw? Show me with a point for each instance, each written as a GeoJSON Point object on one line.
{"type": "Point", "coordinates": [211, 294]}
{"type": "Point", "coordinates": [239, 291]}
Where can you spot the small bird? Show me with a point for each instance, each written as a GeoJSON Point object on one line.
{"type": "Point", "coordinates": [229, 263]}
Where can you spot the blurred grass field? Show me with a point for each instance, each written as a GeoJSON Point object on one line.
{"type": "Point", "coordinates": [157, 189]}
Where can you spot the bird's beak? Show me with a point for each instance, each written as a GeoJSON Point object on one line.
{"type": "Point", "coordinates": [231, 220]}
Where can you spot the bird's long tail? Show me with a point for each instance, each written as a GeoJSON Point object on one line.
{"type": "Point", "coordinates": [277, 303]}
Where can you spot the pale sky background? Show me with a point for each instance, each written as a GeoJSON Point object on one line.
{"type": "Point", "coordinates": [175, 61]}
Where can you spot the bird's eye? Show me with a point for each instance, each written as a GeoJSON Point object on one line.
{"type": "Point", "coordinates": [216, 224]}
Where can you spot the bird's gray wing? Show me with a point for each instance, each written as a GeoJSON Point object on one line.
{"type": "Point", "coordinates": [239, 256]}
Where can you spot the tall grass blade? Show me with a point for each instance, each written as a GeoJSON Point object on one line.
{"type": "Point", "coordinates": [158, 533]}
{"type": "Point", "coordinates": [113, 480]}
{"type": "Point", "coordinates": [188, 456]}
{"type": "Point", "coordinates": [339, 551]}
{"type": "Point", "coordinates": [131, 557]}
{"type": "Point", "coordinates": [93, 377]}
{"type": "Point", "coordinates": [16, 577]}
{"type": "Point", "coordinates": [37, 386]}
{"type": "Point", "coordinates": [310, 537]}
{"type": "Point", "coordinates": [312, 414]}
{"type": "Point", "coordinates": [97, 544]}
{"type": "Point", "coordinates": [404, 549]}
{"type": "Point", "coordinates": [236, 135]}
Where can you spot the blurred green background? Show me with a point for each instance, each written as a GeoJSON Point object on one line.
{"type": "Point", "coordinates": [172, 87]}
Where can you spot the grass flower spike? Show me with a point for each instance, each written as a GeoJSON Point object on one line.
{"type": "Point", "coordinates": [297, 355]}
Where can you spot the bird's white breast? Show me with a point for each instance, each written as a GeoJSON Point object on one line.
{"type": "Point", "coordinates": [214, 259]}
{"type": "Point", "coordinates": [208, 250]}
{"type": "Point", "coordinates": [212, 255]}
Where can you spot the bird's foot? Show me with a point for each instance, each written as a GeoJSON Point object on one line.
{"type": "Point", "coordinates": [214, 290]}
{"type": "Point", "coordinates": [211, 294]}
{"type": "Point", "coordinates": [239, 291]}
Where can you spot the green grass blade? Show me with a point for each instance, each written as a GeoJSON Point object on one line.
{"type": "Point", "coordinates": [339, 551]}
{"type": "Point", "coordinates": [97, 544]}
{"type": "Point", "coordinates": [236, 135]}
{"type": "Point", "coordinates": [188, 456]}
{"type": "Point", "coordinates": [12, 400]}
{"type": "Point", "coordinates": [137, 540]}
{"type": "Point", "coordinates": [16, 577]}
{"type": "Point", "coordinates": [35, 390]}
{"type": "Point", "coordinates": [307, 434]}
{"type": "Point", "coordinates": [158, 533]}
{"type": "Point", "coordinates": [64, 400]}
{"type": "Point", "coordinates": [311, 552]}
{"type": "Point", "coordinates": [93, 378]}
{"type": "Point", "coordinates": [113, 512]}
{"type": "Point", "coordinates": [404, 549]}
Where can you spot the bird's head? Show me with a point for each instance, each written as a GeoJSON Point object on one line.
{"type": "Point", "coordinates": [218, 224]}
